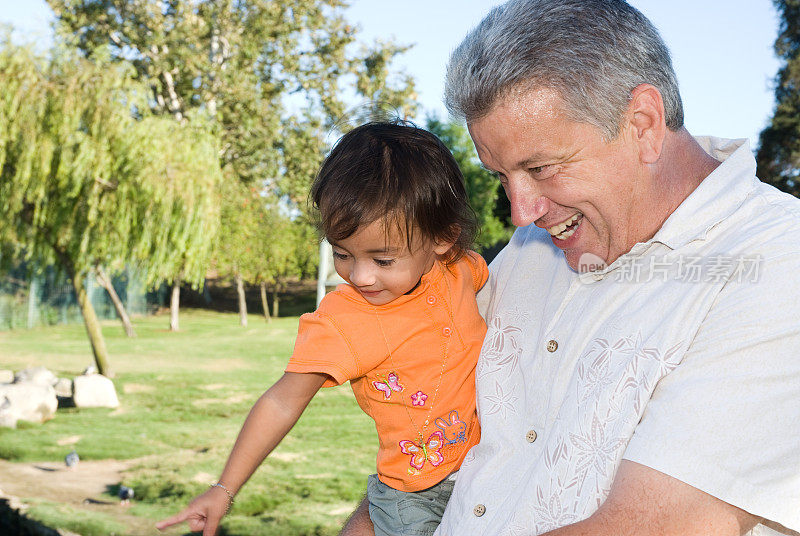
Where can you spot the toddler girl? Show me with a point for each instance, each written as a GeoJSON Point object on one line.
{"type": "Point", "coordinates": [404, 330]}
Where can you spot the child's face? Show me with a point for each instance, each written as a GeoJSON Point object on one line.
{"type": "Point", "coordinates": [379, 264]}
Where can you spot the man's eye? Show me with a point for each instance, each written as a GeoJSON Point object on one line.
{"type": "Point", "coordinates": [540, 171]}
{"type": "Point", "coordinates": [384, 262]}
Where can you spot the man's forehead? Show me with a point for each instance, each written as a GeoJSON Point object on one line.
{"type": "Point", "coordinates": [523, 129]}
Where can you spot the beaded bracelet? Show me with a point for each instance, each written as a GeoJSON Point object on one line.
{"type": "Point", "coordinates": [227, 492]}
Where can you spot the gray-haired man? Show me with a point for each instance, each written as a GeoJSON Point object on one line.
{"type": "Point", "coordinates": [650, 383]}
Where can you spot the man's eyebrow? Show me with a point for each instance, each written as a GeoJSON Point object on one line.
{"type": "Point", "coordinates": [533, 159]}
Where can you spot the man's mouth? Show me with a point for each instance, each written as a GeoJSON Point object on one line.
{"type": "Point", "coordinates": [566, 228]}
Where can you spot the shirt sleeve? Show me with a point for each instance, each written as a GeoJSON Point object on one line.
{"type": "Point", "coordinates": [478, 269]}
{"type": "Point", "coordinates": [727, 419]}
{"type": "Point", "coordinates": [323, 347]}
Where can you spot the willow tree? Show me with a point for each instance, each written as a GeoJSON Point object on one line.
{"type": "Point", "coordinates": [87, 181]}
{"type": "Point", "coordinates": [779, 147]}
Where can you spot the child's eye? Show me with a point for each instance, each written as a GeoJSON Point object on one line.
{"type": "Point", "coordinates": [340, 256]}
{"type": "Point", "coordinates": [384, 262]}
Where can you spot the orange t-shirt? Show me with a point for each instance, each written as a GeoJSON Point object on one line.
{"type": "Point", "coordinates": [411, 364]}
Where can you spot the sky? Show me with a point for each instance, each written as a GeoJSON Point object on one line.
{"type": "Point", "coordinates": [721, 50]}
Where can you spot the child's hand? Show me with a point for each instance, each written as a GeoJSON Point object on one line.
{"type": "Point", "coordinates": [203, 513]}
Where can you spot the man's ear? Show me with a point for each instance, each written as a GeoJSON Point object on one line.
{"type": "Point", "coordinates": [646, 119]}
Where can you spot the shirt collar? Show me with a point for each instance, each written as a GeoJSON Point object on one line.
{"type": "Point", "coordinates": [717, 196]}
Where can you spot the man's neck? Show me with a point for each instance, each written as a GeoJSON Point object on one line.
{"type": "Point", "coordinates": [683, 165]}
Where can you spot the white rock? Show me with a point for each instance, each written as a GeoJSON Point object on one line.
{"type": "Point", "coordinates": [6, 376]}
{"type": "Point", "coordinates": [94, 391]}
{"type": "Point", "coordinates": [63, 387]}
{"type": "Point", "coordinates": [27, 402]}
{"type": "Point", "coordinates": [37, 375]}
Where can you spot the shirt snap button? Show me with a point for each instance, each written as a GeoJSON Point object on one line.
{"type": "Point", "coordinates": [431, 300]}
{"type": "Point", "coordinates": [479, 510]}
{"type": "Point", "coordinates": [552, 345]}
{"type": "Point", "coordinates": [446, 332]}
{"type": "Point", "coordinates": [531, 436]}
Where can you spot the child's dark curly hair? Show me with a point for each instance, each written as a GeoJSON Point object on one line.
{"type": "Point", "coordinates": [400, 173]}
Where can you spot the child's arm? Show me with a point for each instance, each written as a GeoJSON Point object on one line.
{"type": "Point", "coordinates": [271, 418]}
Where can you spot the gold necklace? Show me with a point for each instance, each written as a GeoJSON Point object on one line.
{"type": "Point", "coordinates": [421, 432]}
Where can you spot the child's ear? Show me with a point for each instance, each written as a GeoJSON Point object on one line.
{"type": "Point", "coordinates": [441, 248]}
{"type": "Point", "coordinates": [443, 245]}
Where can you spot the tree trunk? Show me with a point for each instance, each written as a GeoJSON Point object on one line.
{"type": "Point", "coordinates": [105, 282]}
{"type": "Point", "coordinates": [174, 304]}
{"type": "Point", "coordinates": [242, 300]}
{"type": "Point", "coordinates": [92, 325]}
{"type": "Point", "coordinates": [275, 300]}
{"type": "Point", "coordinates": [264, 304]}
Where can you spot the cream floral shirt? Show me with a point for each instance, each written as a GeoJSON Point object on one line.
{"type": "Point", "coordinates": [683, 355]}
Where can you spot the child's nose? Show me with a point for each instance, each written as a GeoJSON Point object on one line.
{"type": "Point", "coordinates": [362, 274]}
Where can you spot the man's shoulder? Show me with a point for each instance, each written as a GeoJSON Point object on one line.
{"type": "Point", "coordinates": [767, 222]}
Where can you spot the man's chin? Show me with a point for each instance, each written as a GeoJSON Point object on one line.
{"type": "Point", "coordinates": [584, 262]}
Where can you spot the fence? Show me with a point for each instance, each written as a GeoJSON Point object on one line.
{"type": "Point", "coordinates": [27, 301]}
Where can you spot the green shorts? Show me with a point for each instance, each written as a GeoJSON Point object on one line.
{"type": "Point", "coordinates": [403, 513]}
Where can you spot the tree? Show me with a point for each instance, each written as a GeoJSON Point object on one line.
{"type": "Point", "coordinates": [373, 82]}
{"type": "Point", "coordinates": [482, 187]}
{"type": "Point", "coordinates": [779, 143]}
{"type": "Point", "coordinates": [271, 75]}
{"type": "Point", "coordinates": [88, 180]}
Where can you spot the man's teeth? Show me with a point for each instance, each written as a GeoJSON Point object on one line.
{"type": "Point", "coordinates": [560, 232]}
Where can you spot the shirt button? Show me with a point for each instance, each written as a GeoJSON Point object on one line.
{"type": "Point", "coordinates": [431, 300]}
{"type": "Point", "coordinates": [552, 346]}
{"type": "Point", "coordinates": [479, 510]}
{"type": "Point", "coordinates": [531, 436]}
{"type": "Point", "coordinates": [446, 331]}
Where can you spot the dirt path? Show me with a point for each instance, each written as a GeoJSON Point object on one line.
{"type": "Point", "coordinates": [82, 487]}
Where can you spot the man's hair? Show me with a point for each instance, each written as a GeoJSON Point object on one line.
{"type": "Point", "coordinates": [592, 52]}
{"type": "Point", "coordinates": [401, 174]}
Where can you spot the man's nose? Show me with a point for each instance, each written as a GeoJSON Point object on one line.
{"type": "Point", "coordinates": [527, 203]}
{"type": "Point", "coordinates": [361, 274]}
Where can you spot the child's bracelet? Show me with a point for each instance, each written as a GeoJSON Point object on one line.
{"type": "Point", "coordinates": [227, 492]}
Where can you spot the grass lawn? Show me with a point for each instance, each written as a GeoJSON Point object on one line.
{"type": "Point", "coordinates": [183, 397]}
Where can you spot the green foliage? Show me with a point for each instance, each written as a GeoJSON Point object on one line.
{"type": "Point", "coordinates": [85, 181]}
{"type": "Point", "coordinates": [779, 144]}
{"type": "Point", "coordinates": [483, 188]}
{"type": "Point", "coordinates": [374, 84]}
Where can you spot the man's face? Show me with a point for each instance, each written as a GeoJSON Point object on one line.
{"type": "Point", "coordinates": [591, 195]}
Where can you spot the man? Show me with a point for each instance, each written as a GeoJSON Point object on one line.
{"type": "Point", "coordinates": [650, 384]}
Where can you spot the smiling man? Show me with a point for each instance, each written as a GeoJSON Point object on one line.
{"type": "Point", "coordinates": [641, 370]}
{"type": "Point", "coordinates": [641, 373]}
